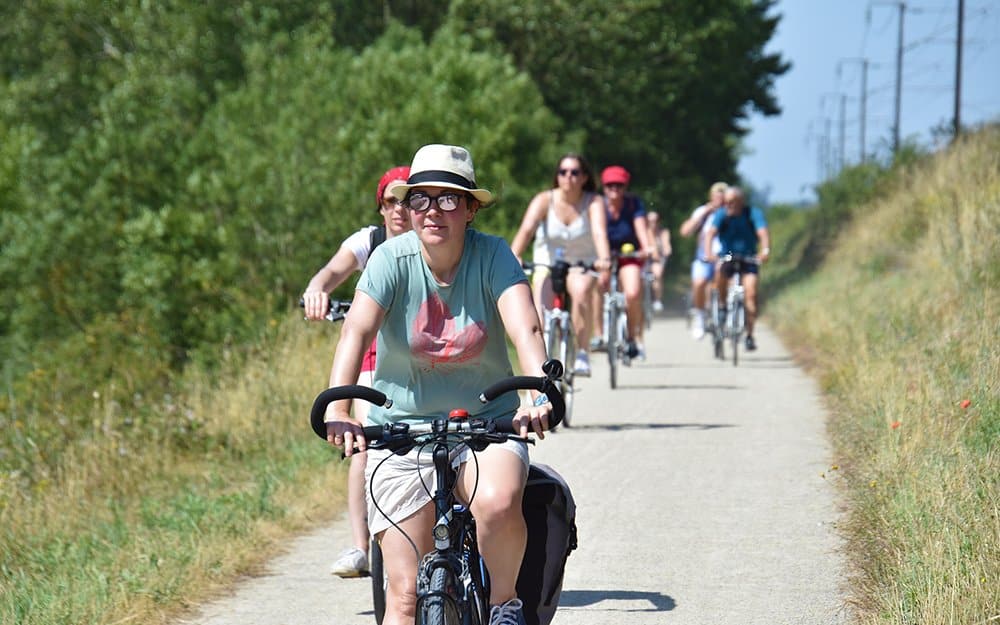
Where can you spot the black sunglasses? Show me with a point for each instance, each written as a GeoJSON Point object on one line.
{"type": "Point", "coordinates": [569, 172]}
{"type": "Point", "coordinates": [421, 202]}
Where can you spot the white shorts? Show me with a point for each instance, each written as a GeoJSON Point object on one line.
{"type": "Point", "coordinates": [404, 484]}
{"type": "Point", "coordinates": [702, 270]}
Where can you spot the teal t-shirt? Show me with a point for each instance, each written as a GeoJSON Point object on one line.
{"type": "Point", "coordinates": [440, 346]}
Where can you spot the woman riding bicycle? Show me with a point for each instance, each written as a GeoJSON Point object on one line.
{"type": "Point", "coordinates": [568, 217]}
{"type": "Point", "coordinates": [442, 301]}
{"type": "Point", "coordinates": [626, 216]}
{"type": "Point", "coordinates": [352, 256]}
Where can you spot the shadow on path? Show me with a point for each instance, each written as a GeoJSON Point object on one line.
{"type": "Point", "coordinates": [584, 598]}
{"type": "Point", "coordinates": [681, 387]}
{"type": "Point", "coordinates": [617, 427]}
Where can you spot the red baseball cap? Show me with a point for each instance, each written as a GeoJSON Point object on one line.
{"type": "Point", "coordinates": [615, 174]}
{"type": "Point", "coordinates": [396, 173]}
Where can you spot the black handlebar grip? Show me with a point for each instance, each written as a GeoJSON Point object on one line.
{"type": "Point", "coordinates": [351, 391]}
{"type": "Point", "coordinates": [505, 424]}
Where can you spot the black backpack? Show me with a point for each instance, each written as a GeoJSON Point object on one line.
{"type": "Point", "coordinates": [375, 238]}
{"type": "Point", "coordinates": [550, 514]}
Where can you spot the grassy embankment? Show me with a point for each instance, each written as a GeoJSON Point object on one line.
{"type": "Point", "coordinates": [902, 320]}
{"type": "Point", "coordinates": [131, 529]}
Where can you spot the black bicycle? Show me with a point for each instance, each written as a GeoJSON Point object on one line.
{"type": "Point", "coordinates": [453, 585]}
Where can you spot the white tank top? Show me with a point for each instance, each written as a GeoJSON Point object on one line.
{"type": "Point", "coordinates": [575, 239]}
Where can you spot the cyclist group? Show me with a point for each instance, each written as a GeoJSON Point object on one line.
{"type": "Point", "coordinates": [437, 301]}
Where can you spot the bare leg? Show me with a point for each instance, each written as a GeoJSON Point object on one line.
{"type": "Point", "coordinates": [401, 565]}
{"type": "Point", "coordinates": [630, 277]}
{"type": "Point", "coordinates": [580, 286]}
{"type": "Point", "coordinates": [750, 282]}
{"type": "Point", "coordinates": [500, 524]}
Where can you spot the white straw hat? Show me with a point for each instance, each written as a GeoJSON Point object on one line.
{"type": "Point", "coordinates": [448, 166]}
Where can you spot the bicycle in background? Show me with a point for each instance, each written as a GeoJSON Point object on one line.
{"type": "Point", "coordinates": [557, 326]}
{"type": "Point", "coordinates": [734, 322]}
{"type": "Point", "coordinates": [615, 318]}
{"type": "Point", "coordinates": [453, 584]}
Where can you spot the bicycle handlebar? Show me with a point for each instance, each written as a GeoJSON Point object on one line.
{"type": "Point", "coordinates": [336, 309]}
{"type": "Point", "coordinates": [503, 425]}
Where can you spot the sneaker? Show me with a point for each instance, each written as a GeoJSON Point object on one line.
{"type": "Point", "coordinates": [632, 350]}
{"type": "Point", "coordinates": [657, 306]}
{"type": "Point", "coordinates": [508, 613]}
{"type": "Point", "coordinates": [640, 351]}
{"type": "Point", "coordinates": [597, 344]}
{"type": "Point", "coordinates": [750, 343]}
{"type": "Point", "coordinates": [351, 563]}
{"type": "Point", "coordinates": [582, 365]}
{"type": "Point", "coordinates": [698, 325]}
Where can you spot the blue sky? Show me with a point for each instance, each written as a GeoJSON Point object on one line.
{"type": "Point", "coordinates": [785, 155]}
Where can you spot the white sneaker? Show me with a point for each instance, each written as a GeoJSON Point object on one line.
{"type": "Point", "coordinates": [582, 365]}
{"type": "Point", "coordinates": [698, 325]}
{"type": "Point", "coordinates": [640, 351]}
{"type": "Point", "coordinates": [350, 563]}
{"type": "Point", "coordinates": [657, 306]}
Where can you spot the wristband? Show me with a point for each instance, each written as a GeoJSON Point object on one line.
{"type": "Point", "coordinates": [766, 250]}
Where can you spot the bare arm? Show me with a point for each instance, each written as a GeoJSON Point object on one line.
{"type": "Point", "coordinates": [517, 311]}
{"type": "Point", "coordinates": [332, 275]}
{"type": "Point", "coordinates": [665, 242]}
{"type": "Point", "coordinates": [359, 330]}
{"type": "Point", "coordinates": [764, 236]}
{"type": "Point", "coordinates": [694, 223]}
{"type": "Point", "coordinates": [710, 234]}
{"type": "Point", "coordinates": [529, 224]}
{"type": "Point", "coordinates": [599, 230]}
{"type": "Point", "coordinates": [641, 227]}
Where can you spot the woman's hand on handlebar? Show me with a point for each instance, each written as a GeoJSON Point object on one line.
{"type": "Point", "coordinates": [315, 303]}
{"type": "Point", "coordinates": [344, 431]}
{"type": "Point", "coordinates": [530, 419]}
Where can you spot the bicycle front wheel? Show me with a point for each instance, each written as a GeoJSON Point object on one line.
{"type": "Point", "coordinates": [567, 353]}
{"type": "Point", "coordinates": [440, 605]}
{"type": "Point", "coordinates": [737, 330]}
{"type": "Point", "coordinates": [378, 581]}
{"type": "Point", "coordinates": [611, 325]}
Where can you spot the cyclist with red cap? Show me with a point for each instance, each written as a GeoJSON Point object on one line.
{"type": "Point", "coordinates": [627, 226]}
{"type": "Point", "coordinates": [353, 256]}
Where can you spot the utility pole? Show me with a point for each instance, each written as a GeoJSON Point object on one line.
{"type": "Point", "coordinates": [863, 99]}
{"type": "Point", "coordinates": [899, 68]}
{"type": "Point", "coordinates": [843, 104]}
{"type": "Point", "coordinates": [899, 79]}
{"type": "Point", "coordinates": [958, 70]}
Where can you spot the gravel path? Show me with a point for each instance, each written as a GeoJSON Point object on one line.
{"type": "Point", "coordinates": [700, 501]}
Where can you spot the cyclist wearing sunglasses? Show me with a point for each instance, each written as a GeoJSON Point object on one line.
{"type": "Point", "coordinates": [442, 301]}
{"type": "Point", "coordinates": [567, 217]}
{"type": "Point", "coordinates": [353, 256]}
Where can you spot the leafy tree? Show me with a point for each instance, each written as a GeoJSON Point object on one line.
{"type": "Point", "coordinates": [659, 86]}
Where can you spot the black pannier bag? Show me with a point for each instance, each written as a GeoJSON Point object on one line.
{"type": "Point", "coordinates": [550, 514]}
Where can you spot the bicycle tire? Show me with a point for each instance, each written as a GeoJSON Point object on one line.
{"type": "Point", "coordinates": [568, 356]}
{"type": "Point", "coordinates": [737, 330]}
{"type": "Point", "coordinates": [441, 606]}
{"type": "Point", "coordinates": [377, 569]}
{"type": "Point", "coordinates": [611, 324]}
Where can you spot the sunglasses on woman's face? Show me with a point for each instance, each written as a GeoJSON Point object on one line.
{"type": "Point", "coordinates": [569, 172]}
{"type": "Point", "coordinates": [421, 202]}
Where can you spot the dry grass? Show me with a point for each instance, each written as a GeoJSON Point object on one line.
{"type": "Point", "coordinates": [133, 530]}
{"type": "Point", "coordinates": [904, 320]}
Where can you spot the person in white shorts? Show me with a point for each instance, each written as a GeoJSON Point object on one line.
{"type": "Point", "coordinates": [702, 270]}
{"type": "Point", "coordinates": [353, 256]}
{"type": "Point", "coordinates": [443, 300]}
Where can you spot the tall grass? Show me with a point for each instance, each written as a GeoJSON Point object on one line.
{"type": "Point", "coordinates": [132, 528]}
{"type": "Point", "coordinates": [903, 324]}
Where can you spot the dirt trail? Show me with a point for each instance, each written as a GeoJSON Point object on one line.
{"type": "Point", "coordinates": [700, 502]}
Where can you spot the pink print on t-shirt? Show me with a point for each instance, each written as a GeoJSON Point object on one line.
{"type": "Point", "coordinates": [436, 338]}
